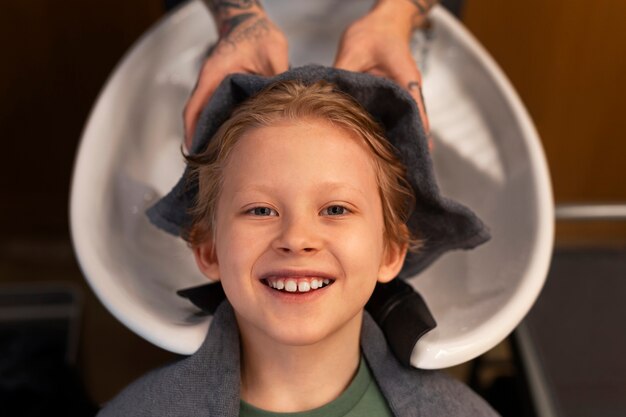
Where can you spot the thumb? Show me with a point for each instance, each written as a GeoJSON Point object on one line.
{"type": "Point", "coordinates": [345, 64]}
{"type": "Point", "coordinates": [279, 64]}
{"type": "Point", "coordinates": [350, 61]}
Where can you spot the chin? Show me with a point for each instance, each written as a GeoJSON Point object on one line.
{"type": "Point", "coordinates": [296, 334]}
{"type": "Point", "coordinates": [299, 337]}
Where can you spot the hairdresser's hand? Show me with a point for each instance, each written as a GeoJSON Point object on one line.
{"type": "Point", "coordinates": [250, 43]}
{"type": "Point", "coordinates": [379, 44]}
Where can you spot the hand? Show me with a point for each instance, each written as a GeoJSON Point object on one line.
{"type": "Point", "coordinates": [379, 44]}
{"type": "Point", "coordinates": [248, 43]}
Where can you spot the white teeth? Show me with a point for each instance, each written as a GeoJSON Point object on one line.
{"type": "Point", "coordinates": [291, 286]}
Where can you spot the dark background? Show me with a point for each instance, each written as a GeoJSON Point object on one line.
{"type": "Point", "coordinates": [566, 59]}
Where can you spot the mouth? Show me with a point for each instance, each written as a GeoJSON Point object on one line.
{"type": "Point", "coordinates": [297, 284]}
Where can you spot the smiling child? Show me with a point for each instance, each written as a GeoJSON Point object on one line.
{"type": "Point", "coordinates": [302, 206]}
{"type": "Point", "coordinates": [299, 239]}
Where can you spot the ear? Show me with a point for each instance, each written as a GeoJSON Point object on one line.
{"type": "Point", "coordinates": [391, 264]}
{"type": "Point", "coordinates": [206, 259]}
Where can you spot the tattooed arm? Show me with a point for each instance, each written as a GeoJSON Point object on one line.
{"type": "Point", "coordinates": [379, 44]}
{"type": "Point", "coordinates": [422, 7]}
{"type": "Point", "coordinates": [248, 42]}
{"type": "Point", "coordinates": [228, 14]}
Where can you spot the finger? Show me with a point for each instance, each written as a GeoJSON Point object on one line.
{"type": "Point", "coordinates": [279, 64]}
{"type": "Point", "coordinates": [377, 72]}
{"type": "Point", "coordinates": [415, 89]}
{"type": "Point", "coordinates": [419, 100]}
{"type": "Point", "coordinates": [350, 62]}
{"type": "Point", "coordinates": [409, 77]}
{"type": "Point", "coordinates": [345, 64]}
{"type": "Point", "coordinates": [198, 99]}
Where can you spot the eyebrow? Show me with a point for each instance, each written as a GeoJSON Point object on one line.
{"type": "Point", "coordinates": [326, 185]}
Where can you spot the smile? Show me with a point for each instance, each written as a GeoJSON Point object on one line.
{"type": "Point", "coordinates": [301, 284]}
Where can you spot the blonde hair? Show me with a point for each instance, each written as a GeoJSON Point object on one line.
{"type": "Point", "coordinates": [292, 100]}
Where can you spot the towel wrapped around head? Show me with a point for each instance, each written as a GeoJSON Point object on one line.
{"type": "Point", "coordinates": [441, 223]}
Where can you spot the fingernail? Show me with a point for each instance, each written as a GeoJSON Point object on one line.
{"type": "Point", "coordinates": [414, 85]}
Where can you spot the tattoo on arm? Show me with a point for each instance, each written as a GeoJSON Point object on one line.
{"type": "Point", "coordinates": [220, 7]}
{"type": "Point", "coordinates": [228, 25]}
{"type": "Point", "coordinates": [233, 33]}
{"type": "Point", "coordinates": [230, 14]}
{"type": "Point", "coordinates": [423, 6]}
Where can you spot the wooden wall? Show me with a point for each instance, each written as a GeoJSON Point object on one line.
{"type": "Point", "coordinates": [567, 60]}
{"type": "Point", "coordinates": [56, 56]}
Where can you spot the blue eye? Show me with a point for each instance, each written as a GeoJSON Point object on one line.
{"type": "Point", "coordinates": [262, 211]}
{"type": "Point", "coordinates": [336, 210]}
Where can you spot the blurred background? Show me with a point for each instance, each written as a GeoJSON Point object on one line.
{"type": "Point", "coordinates": [567, 61]}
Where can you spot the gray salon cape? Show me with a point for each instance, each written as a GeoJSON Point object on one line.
{"type": "Point", "coordinates": [206, 384]}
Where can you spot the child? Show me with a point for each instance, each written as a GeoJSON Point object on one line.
{"type": "Point", "coordinates": [300, 207]}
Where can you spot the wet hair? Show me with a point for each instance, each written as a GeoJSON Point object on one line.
{"type": "Point", "coordinates": [292, 101]}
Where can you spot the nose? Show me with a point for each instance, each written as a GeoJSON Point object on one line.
{"type": "Point", "coordinates": [299, 235]}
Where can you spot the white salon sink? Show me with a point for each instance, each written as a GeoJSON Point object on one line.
{"type": "Point", "coordinates": [487, 155]}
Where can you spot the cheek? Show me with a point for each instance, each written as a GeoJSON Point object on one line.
{"type": "Point", "coordinates": [238, 248]}
{"type": "Point", "coordinates": [235, 262]}
{"type": "Point", "coordinates": [363, 249]}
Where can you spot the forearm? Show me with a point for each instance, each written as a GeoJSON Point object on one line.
{"type": "Point", "coordinates": [406, 14]}
{"type": "Point", "coordinates": [228, 14]}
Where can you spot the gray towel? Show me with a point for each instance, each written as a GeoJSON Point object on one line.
{"type": "Point", "coordinates": [443, 223]}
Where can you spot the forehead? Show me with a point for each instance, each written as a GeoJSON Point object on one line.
{"type": "Point", "coordinates": [302, 154]}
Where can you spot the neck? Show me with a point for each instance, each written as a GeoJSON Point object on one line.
{"type": "Point", "coordinates": [287, 378]}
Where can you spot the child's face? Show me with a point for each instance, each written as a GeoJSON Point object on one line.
{"type": "Point", "coordinates": [299, 196]}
